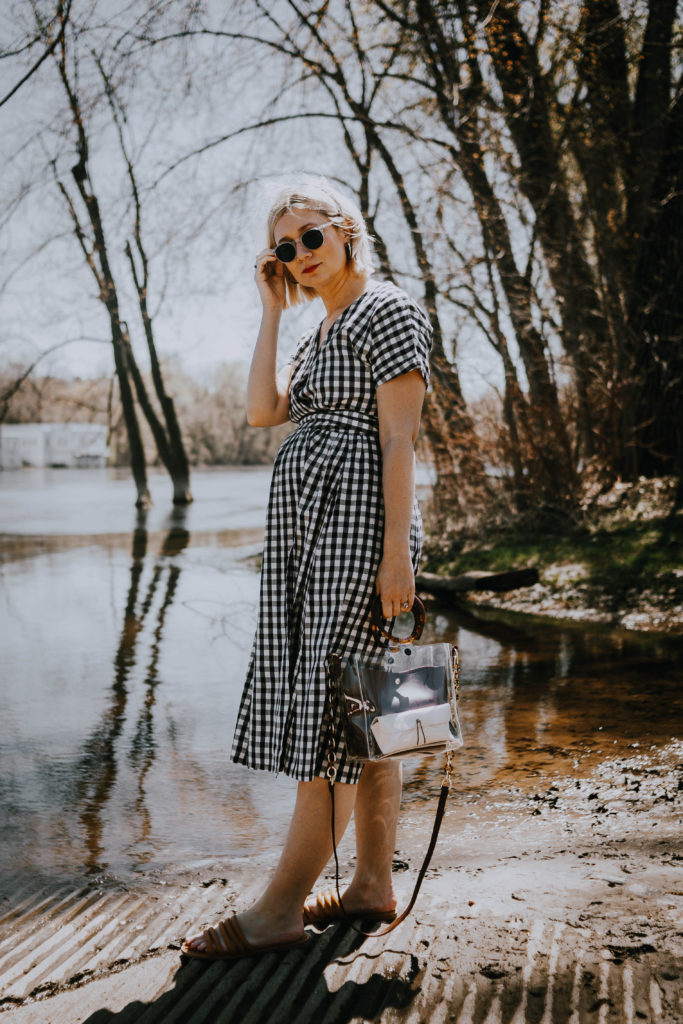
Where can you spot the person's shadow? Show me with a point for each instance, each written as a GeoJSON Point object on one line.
{"type": "Point", "coordinates": [280, 987]}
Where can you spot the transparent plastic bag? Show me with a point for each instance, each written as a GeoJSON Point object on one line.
{"type": "Point", "coordinates": [400, 701]}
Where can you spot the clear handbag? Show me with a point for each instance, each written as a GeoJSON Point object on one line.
{"type": "Point", "coordinates": [401, 699]}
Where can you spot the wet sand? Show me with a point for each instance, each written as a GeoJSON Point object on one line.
{"type": "Point", "coordinates": [559, 899]}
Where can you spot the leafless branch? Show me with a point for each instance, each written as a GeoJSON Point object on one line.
{"type": "Point", "coordinates": [7, 396]}
{"type": "Point", "coordinates": [63, 14]}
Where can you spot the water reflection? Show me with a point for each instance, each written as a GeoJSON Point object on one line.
{"type": "Point", "coordinates": [123, 658]}
{"type": "Point", "coordinates": [538, 696]}
{"type": "Point", "coordinates": [96, 771]}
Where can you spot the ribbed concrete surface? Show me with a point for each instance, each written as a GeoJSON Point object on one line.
{"type": "Point", "coordinates": [109, 954]}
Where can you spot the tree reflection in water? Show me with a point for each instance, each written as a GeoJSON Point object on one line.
{"type": "Point", "coordinates": [97, 769]}
{"type": "Point", "coordinates": [120, 772]}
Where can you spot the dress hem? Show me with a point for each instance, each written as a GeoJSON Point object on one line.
{"type": "Point", "coordinates": [355, 768]}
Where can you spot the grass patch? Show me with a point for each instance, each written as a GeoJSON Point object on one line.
{"type": "Point", "coordinates": [615, 555]}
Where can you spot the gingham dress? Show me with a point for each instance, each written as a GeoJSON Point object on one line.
{"type": "Point", "coordinates": [324, 532]}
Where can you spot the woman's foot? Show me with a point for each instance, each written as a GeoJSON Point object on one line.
{"type": "Point", "coordinates": [324, 908]}
{"type": "Point", "coordinates": [259, 931]}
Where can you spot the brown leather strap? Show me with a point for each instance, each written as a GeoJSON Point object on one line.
{"type": "Point", "coordinates": [440, 811]}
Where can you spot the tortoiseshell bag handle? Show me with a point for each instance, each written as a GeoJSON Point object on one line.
{"type": "Point", "coordinates": [382, 635]}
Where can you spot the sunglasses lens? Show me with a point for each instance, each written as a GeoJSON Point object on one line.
{"type": "Point", "coordinates": [285, 252]}
{"type": "Point", "coordinates": [313, 238]}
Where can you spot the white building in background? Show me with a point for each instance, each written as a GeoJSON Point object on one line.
{"type": "Point", "coordinates": [53, 444]}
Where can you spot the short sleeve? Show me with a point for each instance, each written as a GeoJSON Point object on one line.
{"type": "Point", "coordinates": [401, 339]}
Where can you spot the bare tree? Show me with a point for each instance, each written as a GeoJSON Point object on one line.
{"type": "Point", "coordinates": [94, 248]}
{"type": "Point", "coordinates": [607, 158]}
{"type": "Point", "coordinates": [72, 53]}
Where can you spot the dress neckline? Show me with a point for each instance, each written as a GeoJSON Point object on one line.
{"type": "Point", "coordinates": [319, 342]}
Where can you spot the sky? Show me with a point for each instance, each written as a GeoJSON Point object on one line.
{"type": "Point", "coordinates": [203, 222]}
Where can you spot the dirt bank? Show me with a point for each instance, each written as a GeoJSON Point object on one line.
{"type": "Point", "coordinates": [564, 592]}
{"type": "Point", "coordinates": [620, 564]}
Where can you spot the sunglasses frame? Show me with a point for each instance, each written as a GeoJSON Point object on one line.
{"type": "Point", "coordinates": [314, 227]}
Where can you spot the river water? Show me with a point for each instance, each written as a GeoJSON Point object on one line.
{"type": "Point", "coordinates": [123, 648]}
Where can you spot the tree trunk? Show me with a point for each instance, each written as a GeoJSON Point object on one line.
{"type": "Point", "coordinates": [170, 448]}
{"type": "Point", "coordinates": [655, 439]}
{"type": "Point", "coordinates": [542, 180]}
{"type": "Point", "coordinates": [460, 468]}
{"type": "Point", "coordinates": [137, 452]}
{"type": "Point", "coordinates": [557, 479]}
{"type": "Point", "coordinates": [178, 464]}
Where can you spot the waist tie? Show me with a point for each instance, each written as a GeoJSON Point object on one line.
{"type": "Point", "coordinates": [339, 420]}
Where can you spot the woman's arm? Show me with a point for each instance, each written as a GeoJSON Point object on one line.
{"type": "Point", "coordinates": [399, 406]}
{"type": "Point", "coordinates": [268, 390]}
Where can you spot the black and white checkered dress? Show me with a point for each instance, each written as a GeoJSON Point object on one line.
{"type": "Point", "coordinates": [324, 531]}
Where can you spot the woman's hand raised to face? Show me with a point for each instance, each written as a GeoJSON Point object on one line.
{"type": "Point", "coordinates": [270, 279]}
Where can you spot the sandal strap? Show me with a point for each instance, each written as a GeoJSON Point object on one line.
{"type": "Point", "coordinates": [233, 936]}
{"type": "Point", "coordinates": [226, 937]}
{"type": "Point", "coordinates": [211, 942]}
{"type": "Point", "coordinates": [326, 905]}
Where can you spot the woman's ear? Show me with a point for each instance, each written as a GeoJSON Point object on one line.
{"type": "Point", "coordinates": [347, 230]}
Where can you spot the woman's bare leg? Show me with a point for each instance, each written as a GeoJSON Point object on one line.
{"type": "Point", "coordinates": [276, 916]}
{"type": "Point", "coordinates": [376, 816]}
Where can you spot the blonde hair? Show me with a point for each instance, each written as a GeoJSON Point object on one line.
{"type": "Point", "coordinates": [319, 195]}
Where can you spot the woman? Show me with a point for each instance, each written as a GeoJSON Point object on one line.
{"type": "Point", "coordinates": [342, 522]}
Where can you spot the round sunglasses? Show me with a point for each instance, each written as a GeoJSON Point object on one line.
{"type": "Point", "coordinates": [312, 238]}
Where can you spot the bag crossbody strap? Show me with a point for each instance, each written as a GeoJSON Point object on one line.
{"type": "Point", "coordinates": [440, 811]}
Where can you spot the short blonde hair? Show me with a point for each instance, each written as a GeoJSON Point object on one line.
{"type": "Point", "coordinates": [319, 195]}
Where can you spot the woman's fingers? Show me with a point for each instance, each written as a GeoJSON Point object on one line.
{"type": "Point", "coordinates": [269, 277]}
{"type": "Point", "coordinates": [263, 263]}
{"type": "Point", "coordinates": [392, 608]}
{"type": "Point", "coordinates": [393, 604]}
{"type": "Point", "coordinates": [396, 586]}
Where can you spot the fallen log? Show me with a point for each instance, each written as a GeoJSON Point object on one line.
{"type": "Point", "coordinates": [445, 586]}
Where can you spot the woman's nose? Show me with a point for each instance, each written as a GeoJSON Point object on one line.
{"type": "Point", "coordinates": [300, 242]}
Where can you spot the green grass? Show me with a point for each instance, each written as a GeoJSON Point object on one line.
{"type": "Point", "coordinates": [626, 554]}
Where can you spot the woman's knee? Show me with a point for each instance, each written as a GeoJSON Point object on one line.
{"type": "Point", "coordinates": [382, 773]}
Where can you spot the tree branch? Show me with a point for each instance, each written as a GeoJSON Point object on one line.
{"type": "Point", "coordinates": [7, 396]}
{"type": "Point", "coordinates": [63, 15]}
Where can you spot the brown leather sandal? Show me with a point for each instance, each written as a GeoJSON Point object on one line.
{"type": "Point", "coordinates": [325, 908]}
{"type": "Point", "coordinates": [227, 942]}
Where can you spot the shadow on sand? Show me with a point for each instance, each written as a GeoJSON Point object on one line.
{"type": "Point", "coordinates": [311, 983]}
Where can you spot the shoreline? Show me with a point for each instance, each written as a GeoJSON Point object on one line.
{"type": "Point", "coordinates": [543, 602]}
{"type": "Point", "coordinates": [550, 896]}
{"type": "Point", "coordinates": [620, 566]}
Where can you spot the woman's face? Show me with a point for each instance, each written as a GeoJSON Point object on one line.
{"type": "Point", "coordinates": [313, 268]}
